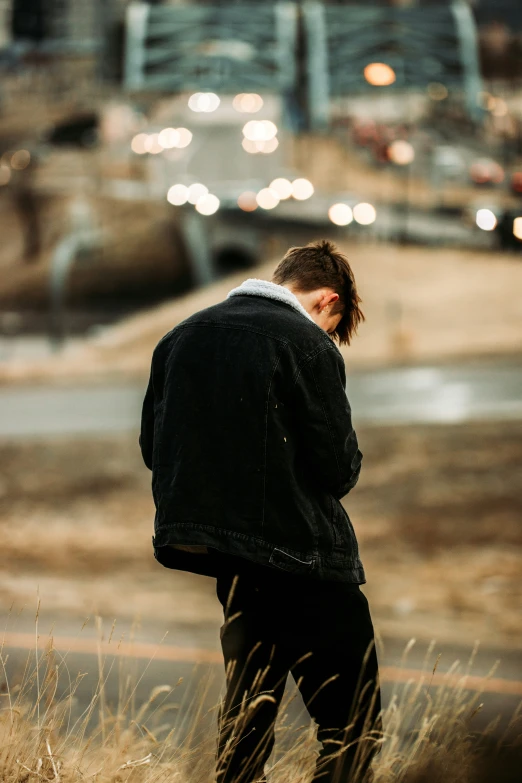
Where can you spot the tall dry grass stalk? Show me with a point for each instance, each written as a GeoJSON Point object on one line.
{"type": "Point", "coordinates": [428, 731]}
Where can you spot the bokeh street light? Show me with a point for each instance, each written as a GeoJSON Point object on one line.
{"type": "Point", "coordinates": [166, 139]}
{"type": "Point", "coordinates": [177, 195]}
{"type": "Point", "coordinates": [302, 189]}
{"type": "Point", "coordinates": [247, 201]}
{"type": "Point", "coordinates": [152, 144]}
{"type": "Point", "coordinates": [255, 147]}
{"type": "Point", "coordinates": [185, 137]}
{"type": "Point", "coordinates": [259, 130]}
{"type": "Point", "coordinates": [401, 152]}
{"type": "Point", "coordinates": [204, 102]}
{"type": "Point", "coordinates": [247, 102]}
{"type": "Point", "coordinates": [379, 74]}
{"type": "Point", "coordinates": [486, 171]}
{"type": "Point", "coordinates": [340, 214]}
{"type": "Point", "coordinates": [208, 204]}
{"type": "Point", "coordinates": [267, 198]}
{"type": "Point", "coordinates": [486, 219]}
{"type": "Point", "coordinates": [169, 138]}
{"type": "Point", "coordinates": [364, 213]}
{"type": "Point", "coordinates": [195, 192]}
{"type": "Point", "coordinates": [283, 187]}
{"type": "Point", "coordinates": [517, 227]}
{"type": "Point", "coordinates": [138, 143]}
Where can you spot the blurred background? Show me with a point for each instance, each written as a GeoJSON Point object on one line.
{"type": "Point", "coordinates": [154, 155]}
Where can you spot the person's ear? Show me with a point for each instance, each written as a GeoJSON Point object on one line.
{"type": "Point", "coordinates": [333, 298]}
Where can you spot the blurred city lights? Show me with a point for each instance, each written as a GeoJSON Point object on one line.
{"type": "Point", "coordinates": [283, 187]}
{"type": "Point", "coordinates": [516, 182]}
{"type": "Point", "coordinates": [259, 130]}
{"type": "Point", "coordinates": [168, 138]}
{"type": "Point", "coordinates": [138, 144]}
{"type": "Point", "coordinates": [196, 191]}
{"type": "Point", "coordinates": [364, 213]}
{"type": "Point", "coordinates": [379, 74]}
{"type": "Point", "coordinates": [208, 204]}
{"type": "Point", "coordinates": [401, 152]}
{"type": "Point", "coordinates": [20, 159]}
{"type": "Point", "coordinates": [486, 219]}
{"type": "Point", "coordinates": [247, 201]}
{"type": "Point", "coordinates": [302, 189]}
{"type": "Point", "coordinates": [152, 144]}
{"type": "Point", "coordinates": [268, 146]}
{"type": "Point", "coordinates": [250, 146]}
{"type": "Point", "coordinates": [437, 91]}
{"type": "Point", "coordinates": [517, 227]}
{"type": "Point", "coordinates": [340, 214]}
{"type": "Point", "coordinates": [177, 195]}
{"type": "Point", "coordinates": [247, 103]}
{"type": "Point", "coordinates": [204, 101]}
{"type": "Point", "coordinates": [485, 171]}
{"type": "Point", "coordinates": [267, 198]}
{"type": "Point", "coordinates": [5, 174]}
{"type": "Point", "coordinates": [260, 146]}
{"type": "Point", "coordinates": [185, 137]}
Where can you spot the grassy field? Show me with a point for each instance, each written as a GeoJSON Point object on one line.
{"type": "Point", "coordinates": [437, 513]}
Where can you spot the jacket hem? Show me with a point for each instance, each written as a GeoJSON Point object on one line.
{"type": "Point", "coordinates": [335, 567]}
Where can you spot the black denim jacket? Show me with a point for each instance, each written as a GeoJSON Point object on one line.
{"type": "Point", "coordinates": [248, 432]}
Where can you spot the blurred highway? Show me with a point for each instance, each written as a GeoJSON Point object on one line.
{"type": "Point", "coordinates": [438, 394]}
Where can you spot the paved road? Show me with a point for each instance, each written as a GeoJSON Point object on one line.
{"type": "Point", "coordinates": [192, 652]}
{"type": "Point", "coordinates": [442, 394]}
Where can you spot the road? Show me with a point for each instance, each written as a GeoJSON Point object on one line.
{"type": "Point", "coordinates": [193, 653]}
{"type": "Point", "coordinates": [426, 394]}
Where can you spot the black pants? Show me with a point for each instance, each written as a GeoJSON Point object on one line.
{"type": "Point", "coordinates": [321, 632]}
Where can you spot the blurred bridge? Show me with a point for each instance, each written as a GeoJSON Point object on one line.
{"type": "Point", "coordinates": [307, 53]}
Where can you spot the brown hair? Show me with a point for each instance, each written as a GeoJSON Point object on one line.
{"type": "Point", "coordinates": [321, 265]}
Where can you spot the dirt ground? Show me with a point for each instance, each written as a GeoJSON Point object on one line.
{"type": "Point", "coordinates": [437, 513]}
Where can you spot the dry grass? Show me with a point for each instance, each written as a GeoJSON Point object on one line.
{"type": "Point", "coordinates": [429, 732]}
{"type": "Point", "coordinates": [436, 511]}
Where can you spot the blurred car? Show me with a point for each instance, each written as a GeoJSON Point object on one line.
{"type": "Point", "coordinates": [81, 130]}
{"type": "Point", "coordinates": [486, 172]}
{"type": "Point", "coordinates": [509, 230]}
{"type": "Point", "coordinates": [448, 160]}
{"type": "Point", "coordinates": [516, 183]}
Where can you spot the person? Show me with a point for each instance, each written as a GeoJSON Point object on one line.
{"type": "Point", "coordinates": [248, 431]}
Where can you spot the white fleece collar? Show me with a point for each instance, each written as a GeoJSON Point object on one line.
{"type": "Point", "coordinates": [255, 287]}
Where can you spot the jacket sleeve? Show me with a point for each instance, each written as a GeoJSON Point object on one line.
{"type": "Point", "coordinates": [324, 419]}
{"type": "Point", "coordinates": [147, 425]}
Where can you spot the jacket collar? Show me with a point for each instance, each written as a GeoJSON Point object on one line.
{"type": "Point", "coordinates": [255, 287]}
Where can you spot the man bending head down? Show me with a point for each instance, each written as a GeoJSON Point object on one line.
{"type": "Point", "coordinates": [322, 280]}
{"type": "Point", "coordinates": [248, 432]}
